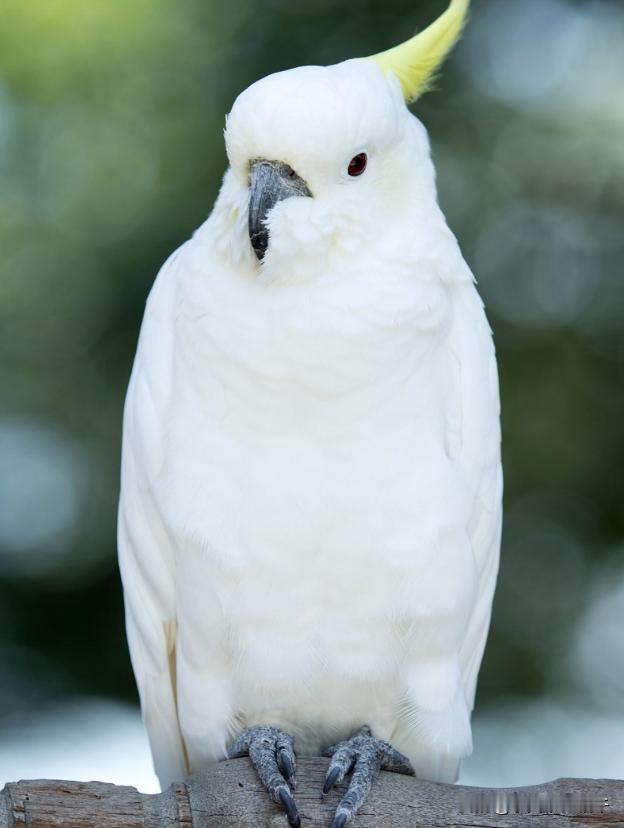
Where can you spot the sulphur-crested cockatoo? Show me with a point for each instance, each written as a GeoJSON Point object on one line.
{"type": "Point", "coordinates": [311, 483]}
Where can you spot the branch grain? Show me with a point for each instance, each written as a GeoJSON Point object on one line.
{"type": "Point", "coordinates": [229, 795]}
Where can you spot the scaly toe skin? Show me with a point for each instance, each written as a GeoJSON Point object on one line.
{"type": "Point", "coordinates": [273, 756]}
{"type": "Point", "coordinates": [366, 756]}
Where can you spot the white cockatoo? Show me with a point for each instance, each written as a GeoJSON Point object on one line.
{"type": "Point", "coordinates": [310, 508]}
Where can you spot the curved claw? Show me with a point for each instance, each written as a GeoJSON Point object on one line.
{"type": "Point", "coordinates": [288, 804]}
{"type": "Point", "coordinates": [331, 779]}
{"type": "Point", "coordinates": [286, 764]}
{"type": "Point", "coordinates": [340, 820]}
{"type": "Point", "coordinates": [342, 762]}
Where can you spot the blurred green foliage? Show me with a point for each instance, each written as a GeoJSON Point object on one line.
{"type": "Point", "coordinates": [111, 153]}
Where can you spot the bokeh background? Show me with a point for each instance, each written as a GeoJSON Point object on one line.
{"type": "Point", "coordinates": [111, 153]}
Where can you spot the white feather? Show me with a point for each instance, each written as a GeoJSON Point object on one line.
{"type": "Point", "coordinates": [311, 486]}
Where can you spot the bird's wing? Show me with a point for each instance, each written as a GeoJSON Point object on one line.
{"type": "Point", "coordinates": [478, 424]}
{"type": "Point", "coordinates": [146, 554]}
{"type": "Point", "coordinates": [442, 659]}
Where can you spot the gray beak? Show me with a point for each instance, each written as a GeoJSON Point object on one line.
{"type": "Point", "coordinates": [270, 182]}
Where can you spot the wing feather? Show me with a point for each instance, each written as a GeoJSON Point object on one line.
{"type": "Point", "coordinates": [479, 458]}
{"type": "Point", "coordinates": [146, 554]}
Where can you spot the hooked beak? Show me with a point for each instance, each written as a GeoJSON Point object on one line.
{"type": "Point", "coordinates": [270, 182]}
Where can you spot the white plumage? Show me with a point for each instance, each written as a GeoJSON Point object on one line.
{"type": "Point", "coordinates": [311, 484]}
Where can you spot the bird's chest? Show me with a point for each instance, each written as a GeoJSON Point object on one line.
{"type": "Point", "coordinates": [310, 539]}
{"type": "Point", "coordinates": [304, 482]}
{"type": "Point", "coordinates": [278, 476]}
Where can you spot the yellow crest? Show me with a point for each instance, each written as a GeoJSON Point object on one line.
{"type": "Point", "coordinates": [415, 61]}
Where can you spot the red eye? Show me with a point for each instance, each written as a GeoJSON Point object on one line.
{"type": "Point", "coordinates": [357, 164]}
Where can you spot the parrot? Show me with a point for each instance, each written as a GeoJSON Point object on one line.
{"type": "Point", "coordinates": [311, 485]}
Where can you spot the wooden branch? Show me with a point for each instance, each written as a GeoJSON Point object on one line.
{"type": "Point", "coordinates": [229, 795]}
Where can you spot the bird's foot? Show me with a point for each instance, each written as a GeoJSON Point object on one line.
{"type": "Point", "coordinates": [273, 756]}
{"type": "Point", "coordinates": [365, 756]}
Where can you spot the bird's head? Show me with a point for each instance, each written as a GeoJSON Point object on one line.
{"type": "Point", "coordinates": [322, 157]}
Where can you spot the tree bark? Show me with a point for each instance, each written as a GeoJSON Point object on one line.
{"type": "Point", "coordinates": [229, 795]}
